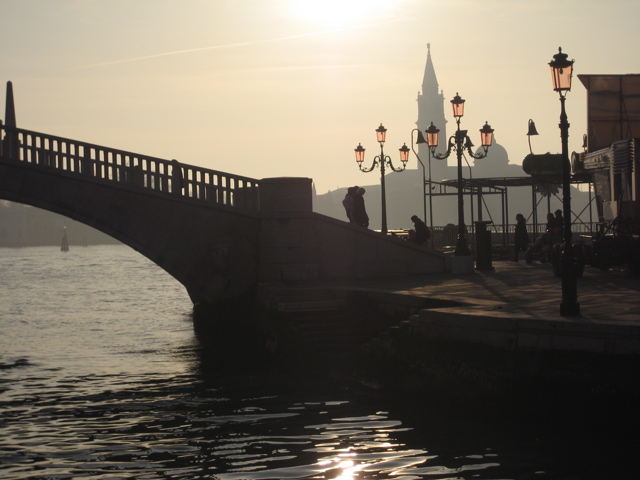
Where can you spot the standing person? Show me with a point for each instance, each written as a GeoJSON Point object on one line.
{"type": "Point", "coordinates": [549, 235]}
{"type": "Point", "coordinates": [551, 224]}
{"type": "Point", "coordinates": [558, 227]}
{"type": "Point", "coordinates": [521, 238]}
{"type": "Point", "coordinates": [176, 178]}
{"type": "Point", "coordinates": [138, 176]}
{"type": "Point", "coordinates": [349, 203]}
{"type": "Point", "coordinates": [422, 233]}
{"type": "Point", "coordinates": [359, 211]}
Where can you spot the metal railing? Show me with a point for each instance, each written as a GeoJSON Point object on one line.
{"type": "Point", "coordinates": [97, 163]}
{"type": "Point", "coordinates": [445, 237]}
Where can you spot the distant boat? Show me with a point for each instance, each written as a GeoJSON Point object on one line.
{"type": "Point", "coordinates": [65, 243]}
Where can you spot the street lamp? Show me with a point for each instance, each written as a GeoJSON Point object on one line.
{"type": "Point", "coordinates": [424, 176]}
{"type": "Point", "coordinates": [382, 160]}
{"type": "Point", "coordinates": [561, 73]}
{"type": "Point", "coordinates": [459, 142]}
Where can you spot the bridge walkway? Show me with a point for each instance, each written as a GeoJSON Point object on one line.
{"type": "Point", "coordinates": [104, 165]}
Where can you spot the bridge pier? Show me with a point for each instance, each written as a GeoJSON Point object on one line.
{"type": "Point", "coordinates": [287, 247]}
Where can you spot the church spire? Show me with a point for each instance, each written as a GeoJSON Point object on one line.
{"type": "Point", "coordinates": [429, 80]}
{"type": "Point", "coordinates": [431, 100]}
{"type": "Point", "coordinates": [431, 109]}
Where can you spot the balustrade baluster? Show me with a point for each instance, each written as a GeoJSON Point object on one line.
{"type": "Point", "coordinates": [106, 164]}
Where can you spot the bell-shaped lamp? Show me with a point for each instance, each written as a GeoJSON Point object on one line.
{"type": "Point", "coordinates": [458, 106]}
{"type": "Point", "coordinates": [486, 135]}
{"type": "Point", "coordinates": [432, 136]}
{"type": "Point", "coordinates": [468, 144]}
{"type": "Point", "coordinates": [532, 131]}
{"type": "Point", "coordinates": [359, 153]}
{"type": "Point", "coordinates": [561, 71]}
{"type": "Point", "coordinates": [404, 153]}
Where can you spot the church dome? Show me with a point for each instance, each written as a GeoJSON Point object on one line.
{"type": "Point", "coordinates": [496, 163]}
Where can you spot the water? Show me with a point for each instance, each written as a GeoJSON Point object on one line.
{"type": "Point", "coordinates": [101, 377]}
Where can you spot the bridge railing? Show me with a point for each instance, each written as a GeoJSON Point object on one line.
{"type": "Point", "coordinates": [129, 169]}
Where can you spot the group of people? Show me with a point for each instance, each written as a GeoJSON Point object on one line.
{"type": "Point", "coordinates": [354, 206]}
{"type": "Point", "coordinates": [544, 243]}
{"type": "Point", "coordinates": [357, 214]}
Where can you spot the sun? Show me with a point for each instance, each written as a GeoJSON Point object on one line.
{"type": "Point", "coordinates": [337, 13]}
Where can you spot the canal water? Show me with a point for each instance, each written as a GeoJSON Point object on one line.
{"type": "Point", "coordinates": [101, 377]}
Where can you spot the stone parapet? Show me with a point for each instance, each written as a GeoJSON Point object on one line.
{"type": "Point", "coordinates": [297, 244]}
{"type": "Point", "coordinates": [285, 195]}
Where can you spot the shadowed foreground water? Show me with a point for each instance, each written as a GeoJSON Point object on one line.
{"type": "Point", "coordinates": [101, 378]}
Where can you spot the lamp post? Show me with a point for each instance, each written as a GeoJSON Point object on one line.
{"type": "Point", "coordinates": [382, 160]}
{"type": "Point", "coordinates": [424, 176]}
{"type": "Point", "coordinates": [459, 142]}
{"type": "Point", "coordinates": [561, 73]}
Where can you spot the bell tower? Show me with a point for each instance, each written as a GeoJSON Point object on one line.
{"type": "Point", "coordinates": [431, 109]}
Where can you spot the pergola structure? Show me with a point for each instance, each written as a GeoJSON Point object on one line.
{"type": "Point", "coordinates": [479, 187]}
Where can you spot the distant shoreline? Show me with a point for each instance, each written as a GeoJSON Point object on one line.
{"type": "Point", "coordinates": [50, 244]}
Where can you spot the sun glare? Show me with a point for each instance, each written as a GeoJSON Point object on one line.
{"type": "Point", "coordinates": [338, 13]}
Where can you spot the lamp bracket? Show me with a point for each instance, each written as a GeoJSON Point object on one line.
{"type": "Point", "coordinates": [478, 155]}
{"type": "Point", "coordinates": [371, 168]}
{"type": "Point", "coordinates": [459, 142]}
{"type": "Point", "coordinates": [388, 161]}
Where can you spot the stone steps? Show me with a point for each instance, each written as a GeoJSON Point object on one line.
{"type": "Point", "coordinates": [313, 318]}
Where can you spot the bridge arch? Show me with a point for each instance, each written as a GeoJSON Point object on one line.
{"type": "Point", "coordinates": [199, 225]}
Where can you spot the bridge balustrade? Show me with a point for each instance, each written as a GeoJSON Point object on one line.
{"type": "Point", "coordinates": [97, 163]}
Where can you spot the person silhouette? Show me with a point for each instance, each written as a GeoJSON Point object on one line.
{"type": "Point", "coordinates": [421, 231]}
{"type": "Point", "coordinates": [558, 227]}
{"type": "Point", "coordinates": [177, 182]}
{"type": "Point", "coordinates": [349, 203]}
{"type": "Point", "coordinates": [521, 237]}
{"type": "Point", "coordinates": [359, 210]}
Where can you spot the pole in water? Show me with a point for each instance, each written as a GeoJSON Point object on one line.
{"type": "Point", "coordinates": [65, 243]}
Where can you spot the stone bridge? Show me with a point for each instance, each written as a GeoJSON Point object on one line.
{"type": "Point", "coordinates": [217, 233]}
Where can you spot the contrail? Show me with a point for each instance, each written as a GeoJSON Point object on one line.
{"type": "Point", "coordinates": [231, 45]}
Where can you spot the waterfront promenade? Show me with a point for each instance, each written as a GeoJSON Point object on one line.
{"type": "Point", "coordinates": [515, 306]}
{"type": "Point", "coordinates": [605, 297]}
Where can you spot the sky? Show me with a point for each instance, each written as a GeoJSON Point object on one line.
{"type": "Point", "coordinates": [273, 88]}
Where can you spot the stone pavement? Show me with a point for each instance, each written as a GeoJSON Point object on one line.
{"type": "Point", "coordinates": [533, 290]}
{"type": "Point", "coordinates": [516, 305]}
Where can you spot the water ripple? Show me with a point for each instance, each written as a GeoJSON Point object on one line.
{"type": "Point", "coordinates": [101, 378]}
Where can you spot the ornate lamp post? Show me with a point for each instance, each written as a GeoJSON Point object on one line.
{"type": "Point", "coordinates": [382, 160]}
{"type": "Point", "coordinates": [561, 73]}
{"type": "Point", "coordinates": [424, 176]}
{"type": "Point", "coordinates": [459, 142]}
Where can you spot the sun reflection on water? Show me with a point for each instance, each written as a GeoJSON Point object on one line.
{"type": "Point", "coordinates": [361, 446]}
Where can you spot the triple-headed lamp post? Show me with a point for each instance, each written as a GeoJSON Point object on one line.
{"type": "Point", "coordinates": [561, 73]}
{"type": "Point", "coordinates": [460, 142]}
{"type": "Point", "coordinates": [382, 160]}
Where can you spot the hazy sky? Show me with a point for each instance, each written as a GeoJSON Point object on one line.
{"type": "Point", "coordinates": [268, 88]}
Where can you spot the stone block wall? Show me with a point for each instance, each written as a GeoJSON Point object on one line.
{"type": "Point", "coordinates": [297, 244]}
